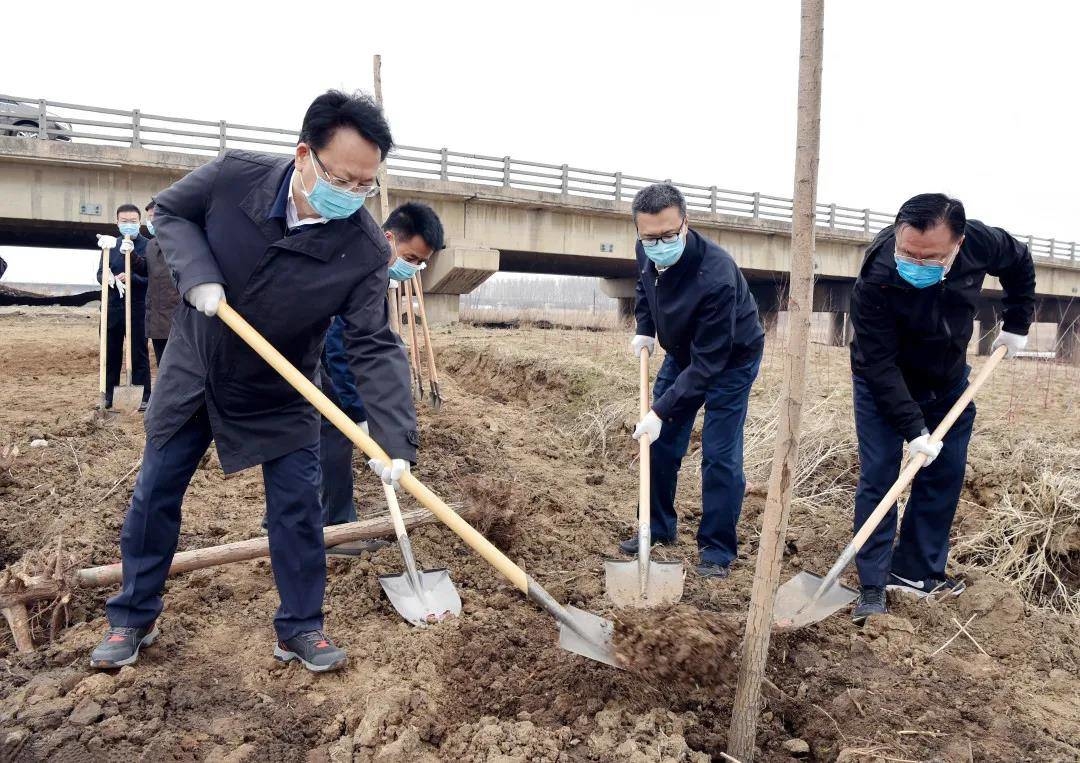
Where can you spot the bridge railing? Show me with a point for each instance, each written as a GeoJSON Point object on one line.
{"type": "Point", "coordinates": [55, 120]}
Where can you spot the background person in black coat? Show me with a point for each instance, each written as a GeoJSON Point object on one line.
{"type": "Point", "coordinates": [913, 311]}
{"type": "Point", "coordinates": [693, 298]}
{"type": "Point", "coordinates": [128, 221]}
{"type": "Point", "coordinates": [161, 294]}
{"type": "Point", "coordinates": [287, 240]}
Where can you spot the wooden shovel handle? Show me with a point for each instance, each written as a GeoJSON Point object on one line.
{"type": "Point", "coordinates": [917, 461]}
{"type": "Point", "coordinates": [419, 289]}
{"type": "Point", "coordinates": [644, 473]}
{"type": "Point", "coordinates": [103, 338]}
{"type": "Point", "coordinates": [127, 312]}
{"type": "Point", "coordinates": [414, 351]}
{"type": "Point", "coordinates": [337, 417]}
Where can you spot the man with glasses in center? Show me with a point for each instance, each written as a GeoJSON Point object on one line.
{"type": "Point", "coordinates": [693, 298]}
{"type": "Point", "coordinates": [287, 241]}
{"type": "Point", "coordinates": [913, 310]}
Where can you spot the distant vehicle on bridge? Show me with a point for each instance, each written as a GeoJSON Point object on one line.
{"type": "Point", "coordinates": [23, 121]}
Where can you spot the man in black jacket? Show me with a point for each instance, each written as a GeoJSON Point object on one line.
{"type": "Point", "coordinates": [692, 296]}
{"type": "Point", "coordinates": [913, 311]}
{"type": "Point", "coordinates": [161, 295]}
{"type": "Point", "coordinates": [288, 241]}
{"type": "Point", "coordinates": [128, 221]}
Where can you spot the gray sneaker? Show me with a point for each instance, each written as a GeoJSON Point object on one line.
{"type": "Point", "coordinates": [871, 602]}
{"type": "Point", "coordinates": [314, 649]}
{"type": "Point", "coordinates": [121, 647]}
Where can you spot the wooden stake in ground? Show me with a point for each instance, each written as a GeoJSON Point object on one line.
{"type": "Point", "coordinates": [393, 295]}
{"type": "Point", "coordinates": [755, 647]}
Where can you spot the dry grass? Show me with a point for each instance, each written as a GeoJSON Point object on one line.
{"type": "Point", "coordinates": [1031, 536]}
{"type": "Point", "coordinates": [607, 320]}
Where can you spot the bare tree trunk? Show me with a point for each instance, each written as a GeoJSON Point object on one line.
{"type": "Point", "coordinates": [755, 646]}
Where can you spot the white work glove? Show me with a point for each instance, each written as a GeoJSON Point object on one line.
{"type": "Point", "coordinates": [205, 298]}
{"type": "Point", "coordinates": [117, 284]}
{"type": "Point", "coordinates": [395, 284]}
{"type": "Point", "coordinates": [649, 427]}
{"type": "Point", "coordinates": [364, 426]}
{"type": "Point", "coordinates": [105, 242]}
{"type": "Point", "coordinates": [922, 444]}
{"type": "Point", "coordinates": [390, 473]}
{"type": "Point", "coordinates": [1013, 343]}
{"type": "Point", "coordinates": [639, 341]}
{"type": "Point", "coordinates": [126, 246]}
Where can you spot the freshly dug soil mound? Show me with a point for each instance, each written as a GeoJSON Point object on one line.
{"type": "Point", "coordinates": [681, 645]}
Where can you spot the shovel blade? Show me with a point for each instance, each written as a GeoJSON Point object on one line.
{"type": "Point", "coordinates": [127, 398]}
{"type": "Point", "coordinates": [590, 636]}
{"type": "Point", "coordinates": [437, 600]}
{"type": "Point", "coordinates": [793, 609]}
{"type": "Point", "coordinates": [664, 586]}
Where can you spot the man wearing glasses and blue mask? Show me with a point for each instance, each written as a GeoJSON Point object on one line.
{"type": "Point", "coordinates": [913, 310]}
{"type": "Point", "coordinates": [693, 298]}
{"type": "Point", "coordinates": [288, 242]}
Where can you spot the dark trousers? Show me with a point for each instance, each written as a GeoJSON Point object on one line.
{"type": "Point", "coordinates": [923, 547]}
{"type": "Point", "coordinates": [114, 353]}
{"type": "Point", "coordinates": [335, 460]}
{"type": "Point", "coordinates": [159, 349]}
{"type": "Point", "coordinates": [152, 528]}
{"type": "Point", "coordinates": [722, 479]}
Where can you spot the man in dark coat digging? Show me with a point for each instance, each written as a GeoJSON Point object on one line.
{"type": "Point", "coordinates": [288, 242]}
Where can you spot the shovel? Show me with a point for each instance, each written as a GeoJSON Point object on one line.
{"type": "Point", "coordinates": [579, 631]}
{"type": "Point", "coordinates": [433, 381]}
{"type": "Point", "coordinates": [127, 398]}
{"type": "Point", "coordinates": [644, 583]}
{"type": "Point", "coordinates": [422, 598]}
{"type": "Point", "coordinates": [414, 349]}
{"type": "Point", "coordinates": [104, 333]}
{"type": "Point", "coordinates": [808, 598]}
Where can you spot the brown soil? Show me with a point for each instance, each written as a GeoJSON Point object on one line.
{"type": "Point", "coordinates": [534, 433]}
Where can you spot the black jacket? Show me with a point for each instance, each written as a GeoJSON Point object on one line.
{"type": "Point", "coordinates": [912, 343]}
{"type": "Point", "coordinates": [225, 223]}
{"type": "Point", "coordinates": [703, 314]}
{"type": "Point", "coordinates": [137, 287]}
{"type": "Point", "coordinates": [161, 295]}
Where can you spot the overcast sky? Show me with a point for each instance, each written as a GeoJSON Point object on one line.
{"type": "Point", "coordinates": [976, 99]}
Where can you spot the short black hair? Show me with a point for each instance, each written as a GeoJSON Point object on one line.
{"type": "Point", "coordinates": [128, 208]}
{"type": "Point", "coordinates": [927, 210]}
{"type": "Point", "coordinates": [334, 109]}
{"type": "Point", "coordinates": [416, 219]}
{"type": "Point", "coordinates": [151, 205]}
{"type": "Point", "coordinates": [654, 199]}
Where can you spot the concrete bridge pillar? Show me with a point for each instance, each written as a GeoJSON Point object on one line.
{"type": "Point", "coordinates": [623, 291]}
{"type": "Point", "coordinates": [987, 328]}
{"type": "Point", "coordinates": [840, 330]}
{"type": "Point", "coordinates": [1068, 338]}
{"type": "Point", "coordinates": [456, 270]}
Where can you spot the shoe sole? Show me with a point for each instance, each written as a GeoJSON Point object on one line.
{"type": "Point", "coordinates": [147, 640]}
{"type": "Point", "coordinates": [938, 593]}
{"type": "Point", "coordinates": [286, 656]}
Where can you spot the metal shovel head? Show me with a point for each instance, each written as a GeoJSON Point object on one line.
{"type": "Point", "coordinates": [437, 600]}
{"type": "Point", "coordinates": [623, 580]}
{"type": "Point", "coordinates": [594, 639]}
{"type": "Point", "coordinates": [791, 609]}
{"type": "Point", "coordinates": [127, 398]}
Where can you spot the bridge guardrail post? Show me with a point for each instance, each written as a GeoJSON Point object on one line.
{"type": "Point", "coordinates": [43, 120]}
{"type": "Point", "coordinates": [832, 217]}
{"type": "Point", "coordinates": [506, 172]}
{"type": "Point", "coordinates": [136, 142]}
{"type": "Point", "coordinates": [866, 221]}
{"type": "Point", "coordinates": [1072, 254]}
{"type": "Point", "coordinates": [757, 205]}
{"type": "Point", "coordinates": [565, 180]}
{"type": "Point", "coordinates": [444, 165]}
{"type": "Point", "coordinates": [712, 199]}
{"type": "Point", "coordinates": [223, 134]}
{"type": "Point", "coordinates": [1052, 242]}
{"type": "Point", "coordinates": [618, 186]}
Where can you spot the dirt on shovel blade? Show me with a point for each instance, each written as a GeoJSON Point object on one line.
{"type": "Point", "coordinates": [681, 645]}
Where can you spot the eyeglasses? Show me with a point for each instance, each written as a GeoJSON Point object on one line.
{"type": "Point", "coordinates": [360, 189]}
{"type": "Point", "coordinates": [943, 261]}
{"type": "Point", "coordinates": [667, 238]}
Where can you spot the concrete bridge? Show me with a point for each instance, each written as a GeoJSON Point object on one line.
{"type": "Point", "coordinates": [499, 213]}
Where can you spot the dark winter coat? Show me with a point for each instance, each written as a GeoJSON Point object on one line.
{"type": "Point", "coordinates": [161, 294]}
{"type": "Point", "coordinates": [225, 223]}
{"type": "Point", "coordinates": [912, 342]}
{"type": "Point", "coordinates": [702, 312]}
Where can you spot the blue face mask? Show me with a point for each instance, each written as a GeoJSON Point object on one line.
{"type": "Point", "coordinates": [919, 276]}
{"type": "Point", "coordinates": [665, 255]}
{"type": "Point", "coordinates": [150, 227]}
{"type": "Point", "coordinates": [129, 229]}
{"type": "Point", "coordinates": [332, 203]}
{"type": "Point", "coordinates": [403, 271]}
